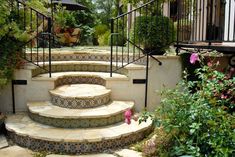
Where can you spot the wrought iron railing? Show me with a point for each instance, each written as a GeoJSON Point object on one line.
{"type": "Point", "coordinates": [211, 21]}
{"type": "Point", "coordinates": [37, 26]}
{"type": "Point", "coordinates": [126, 44]}
{"type": "Point", "coordinates": [198, 24]}
{"type": "Point", "coordinates": [133, 35]}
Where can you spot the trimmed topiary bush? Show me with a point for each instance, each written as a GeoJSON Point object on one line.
{"type": "Point", "coordinates": [153, 33]}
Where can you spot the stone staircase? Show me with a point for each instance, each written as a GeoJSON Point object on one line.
{"type": "Point", "coordinates": [80, 116]}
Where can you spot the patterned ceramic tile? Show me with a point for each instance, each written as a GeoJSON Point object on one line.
{"type": "Point", "coordinates": [77, 123]}
{"type": "Point", "coordinates": [65, 80]}
{"type": "Point", "coordinates": [78, 103]}
{"type": "Point", "coordinates": [79, 146]}
{"type": "Point", "coordinates": [87, 57]}
{"type": "Point", "coordinates": [83, 57]}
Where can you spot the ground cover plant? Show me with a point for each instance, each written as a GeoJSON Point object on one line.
{"type": "Point", "coordinates": [198, 116]}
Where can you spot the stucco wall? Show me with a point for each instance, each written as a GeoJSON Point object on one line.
{"type": "Point", "coordinates": [165, 76]}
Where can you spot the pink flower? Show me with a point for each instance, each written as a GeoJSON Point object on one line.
{"type": "Point", "coordinates": [128, 114]}
{"type": "Point", "coordinates": [223, 96]}
{"type": "Point", "coordinates": [209, 64]}
{"type": "Point", "coordinates": [193, 58]}
{"type": "Point", "coordinates": [128, 121]}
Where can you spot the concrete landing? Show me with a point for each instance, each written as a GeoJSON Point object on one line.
{"type": "Point", "coordinates": [15, 151]}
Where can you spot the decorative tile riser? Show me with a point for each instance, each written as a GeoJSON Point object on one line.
{"type": "Point", "coordinates": [66, 80]}
{"type": "Point", "coordinates": [75, 67]}
{"type": "Point", "coordinates": [77, 123]}
{"type": "Point", "coordinates": [79, 103]}
{"type": "Point", "coordinates": [86, 57]}
{"type": "Point", "coordinates": [62, 147]}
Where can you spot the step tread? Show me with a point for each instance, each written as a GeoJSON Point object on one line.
{"type": "Point", "coordinates": [103, 75]}
{"type": "Point", "coordinates": [80, 91]}
{"type": "Point", "coordinates": [47, 109]}
{"type": "Point", "coordinates": [130, 66]}
{"type": "Point", "coordinates": [22, 125]}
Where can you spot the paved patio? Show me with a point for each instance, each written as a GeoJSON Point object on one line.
{"type": "Point", "coordinates": [16, 151]}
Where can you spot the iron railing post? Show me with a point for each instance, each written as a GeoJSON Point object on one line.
{"type": "Point", "coordinates": [146, 82]}
{"type": "Point", "coordinates": [178, 27]}
{"type": "Point", "coordinates": [52, 24]}
{"type": "Point", "coordinates": [49, 34]}
{"type": "Point", "coordinates": [111, 44]}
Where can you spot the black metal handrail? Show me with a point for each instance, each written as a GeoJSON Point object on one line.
{"type": "Point", "coordinates": [125, 49]}
{"type": "Point", "coordinates": [126, 45]}
{"type": "Point", "coordinates": [38, 28]}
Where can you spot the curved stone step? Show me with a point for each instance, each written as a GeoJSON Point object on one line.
{"type": "Point", "coordinates": [77, 96]}
{"type": "Point", "coordinates": [91, 66]}
{"type": "Point", "coordinates": [35, 136]}
{"type": "Point", "coordinates": [102, 75]}
{"type": "Point", "coordinates": [46, 113]}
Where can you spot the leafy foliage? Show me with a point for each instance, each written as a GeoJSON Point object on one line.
{"type": "Point", "coordinates": [199, 115]}
{"type": "Point", "coordinates": [83, 19]}
{"type": "Point", "coordinates": [106, 10]}
{"type": "Point", "coordinates": [156, 32]}
{"type": "Point", "coordinates": [64, 18]}
{"type": "Point", "coordinates": [12, 37]}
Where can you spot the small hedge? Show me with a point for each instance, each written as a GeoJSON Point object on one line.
{"type": "Point", "coordinates": [156, 32]}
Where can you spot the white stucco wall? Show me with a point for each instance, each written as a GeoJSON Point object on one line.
{"type": "Point", "coordinates": [165, 76]}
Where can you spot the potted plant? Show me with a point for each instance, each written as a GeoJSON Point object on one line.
{"type": "Point", "coordinates": [65, 27]}
{"type": "Point", "coordinates": [154, 33]}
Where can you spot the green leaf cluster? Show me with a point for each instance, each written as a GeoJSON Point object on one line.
{"type": "Point", "coordinates": [153, 32]}
{"type": "Point", "coordinates": [199, 115]}
{"type": "Point", "coordinates": [13, 37]}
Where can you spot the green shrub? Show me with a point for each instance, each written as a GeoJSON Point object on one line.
{"type": "Point", "coordinates": [12, 38]}
{"type": "Point", "coordinates": [64, 18]}
{"type": "Point", "coordinates": [101, 30]}
{"type": "Point", "coordinates": [102, 34]}
{"type": "Point", "coordinates": [118, 40]}
{"type": "Point", "coordinates": [199, 115]}
{"type": "Point", "coordinates": [104, 39]}
{"type": "Point", "coordinates": [155, 32]}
